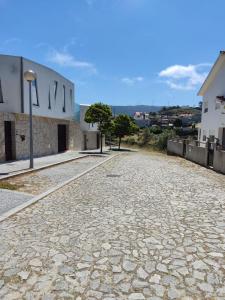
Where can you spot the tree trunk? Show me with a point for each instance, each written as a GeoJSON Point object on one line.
{"type": "Point", "coordinates": [101, 142]}
{"type": "Point", "coordinates": [119, 142]}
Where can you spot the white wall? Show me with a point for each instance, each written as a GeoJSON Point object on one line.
{"type": "Point", "coordinates": [214, 118]}
{"type": "Point", "coordinates": [11, 83]}
{"type": "Point", "coordinates": [10, 75]}
{"type": "Point", "coordinates": [45, 84]}
{"type": "Point", "coordinates": [86, 126]}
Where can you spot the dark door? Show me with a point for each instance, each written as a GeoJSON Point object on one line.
{"type": "Point", "coordinates": [223, 138]}
{"type": "Point", "coordinates": [98, 140]}
{"type": "Point", "coordinates": [62, 138]}
{"type": "Point", "coordinates": [85, 142]}
{"type": "Point", "coordinates": [8, 141]}
{"type": "Point", "coordinates": [210, 154]}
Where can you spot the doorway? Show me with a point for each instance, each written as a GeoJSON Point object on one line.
{"type": "Point", "coordinates": [98, 140]}
{"type": "Point", "coordinates": [62, 138]}
{"type": "Point", "coordinates": [85, 142]}
{"type": "Point", "coordinates": [8, 141]}
{"type": "Point", "coordinates": [223, 138]}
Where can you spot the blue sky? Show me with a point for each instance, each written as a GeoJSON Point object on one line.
{"type": "Point", "coordinates": [121, 52]}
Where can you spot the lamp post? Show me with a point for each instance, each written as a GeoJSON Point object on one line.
{"type": "Point", "coordinates": [30, 76]}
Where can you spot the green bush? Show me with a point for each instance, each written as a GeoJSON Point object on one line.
{"type": "Point", "coordinates": [161, 143]}
{"type": "Point", "coordinates": [156, 129]}
{"type": "Point", "coordinates": [145, 137]}
{"type": "Point", "coordinates": [130, 140]}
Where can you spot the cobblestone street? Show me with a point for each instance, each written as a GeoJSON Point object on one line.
{"type": "Point", "coordinates": [140, 226]}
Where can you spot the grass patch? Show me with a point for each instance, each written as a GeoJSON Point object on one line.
{"type": "Point", "coordinates": [9, 186]}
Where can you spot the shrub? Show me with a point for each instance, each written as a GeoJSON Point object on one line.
{"type": "Point", "coordinates": [145, 137]}
{"type": "Point", "coordinates": [156, 129]}
{"type": "Point", "coordinates": [130, 140]}
{"type": "Point", "coordinates": [161, 143]}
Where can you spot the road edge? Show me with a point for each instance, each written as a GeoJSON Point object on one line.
{"type": "Point", "coordinates": [32, 201]}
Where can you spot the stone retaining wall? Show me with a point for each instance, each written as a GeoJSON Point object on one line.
{"type": "Point", "coordinates": [175, 147]}
{"type": "Point", "coordinates": [219, 161]}
{"type": "Point", "coordinates": [197, 154]}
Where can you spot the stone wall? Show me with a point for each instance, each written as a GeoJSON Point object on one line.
{"type": "Point", "coordinates": [76, 136]}
{"type": "Point", "coordinates": [219, 161]}
{"type": "Point", "coordinates": [45, 135]}
{"type": "Point", "coordinates": [91, 139]}
{"type": "Point", "coordinates": [197, 154]}
{"type": "Point", "coordinates": [175, 147]}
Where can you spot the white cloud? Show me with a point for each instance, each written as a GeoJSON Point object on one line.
{"type": "Point", "coordinates": [132, 80]}
{"type": "Point", "coordinates": [65, 59]}
{"type": "Point", "coordinates": [185, 77]}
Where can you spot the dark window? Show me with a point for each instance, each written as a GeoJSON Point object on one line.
{"type": "Point", "coordinates": [1, 94]}
{"type": "Point", "coordinates": [71, 96]}
{"type": "Point", "coordinates": [35, 93]}
{"type": "Point", "coordinates": [49, 99]}
{"type": "Point", "coordinates": [64, 98]}
{"type": "Point", "coordinates": [55, 89]}
{"type": "Point", "coordinates": [211, 138]}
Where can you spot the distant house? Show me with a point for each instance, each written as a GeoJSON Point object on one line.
{"type": "Point", "coordinates": [213, 106]}
{"type": "Point", "coordinates": [142, 119]}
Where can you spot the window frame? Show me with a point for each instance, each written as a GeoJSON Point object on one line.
{"type": "Point", "coordinates": [35, 86]}
{"type": "Point", "coordinates": [1, 93]}
{"type": "Point", "coordinates": [55, 89]}
{"type": "Point", "coordinates": [64, 98]}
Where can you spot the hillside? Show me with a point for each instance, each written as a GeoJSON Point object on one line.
{"type": "Point", "coordinates": [131, 109]}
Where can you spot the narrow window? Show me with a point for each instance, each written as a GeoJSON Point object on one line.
{"type": "Point", "coordinates": [35, 93]}
{"type": "Point", "coordinates": [55, 89]}
{"type": "Point", "coordinates": [49, 98]}
{"type": "Point", "coordinates": [71, 96]}
{"type": "Point", "coordinates": [1, 94]}
{"type": "Point", "coordinates": [64, 98]}
{"type": "Point", "coordinates": [205, 106]}
{"type": "Point", "coordinates": [204, 135]}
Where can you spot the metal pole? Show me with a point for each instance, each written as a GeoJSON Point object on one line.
{"type": "Point", "coordinates": [31, 129]}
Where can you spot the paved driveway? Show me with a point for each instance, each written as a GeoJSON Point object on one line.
{"type": "Point", "coordinates": [139, 227]}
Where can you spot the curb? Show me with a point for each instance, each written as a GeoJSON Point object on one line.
{"type": "Point", "coordinates": [15, 210]}
{"type": "Point", "coordinates": [42, 168]}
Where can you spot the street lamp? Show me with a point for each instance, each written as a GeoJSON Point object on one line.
{"type": "Point", "coordinates": [30, 76]}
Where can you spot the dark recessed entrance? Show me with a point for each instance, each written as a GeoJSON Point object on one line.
{"type": "Point", "coordinates": [8, 141]}
{"type": "Point", "coordinates": [98, 140]}
{"type": "Point", "coordinates": [62, 138]}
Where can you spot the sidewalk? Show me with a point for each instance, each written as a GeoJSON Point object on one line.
{"type": "Point", "coordinates": [11, 168]}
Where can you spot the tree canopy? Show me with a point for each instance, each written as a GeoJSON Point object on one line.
{"type": "Point", "coordinates": [124, 125]}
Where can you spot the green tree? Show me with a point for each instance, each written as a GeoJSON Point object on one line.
{"type": "Point", "coordinates": [101, 114]}
{"type": "Point", "coordinates": [124, 125]}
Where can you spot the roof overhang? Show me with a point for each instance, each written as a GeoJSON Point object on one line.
{"type": "Point", "coordinates": [212, 74]}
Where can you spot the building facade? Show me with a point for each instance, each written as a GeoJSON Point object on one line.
{"type": "Point", "coordinates": [54, 129]}
{"type": "Point", "coordinates": [91, 137]}
{"type": "Point", "coordinates": [213, 104]}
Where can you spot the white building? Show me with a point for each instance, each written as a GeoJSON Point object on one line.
{"type": "Point", "coordinates": [90, 130]}
{"type": "Point", "coordinates": [53, 108]}
{"type": "Point", "coordinates": [213, 107]}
